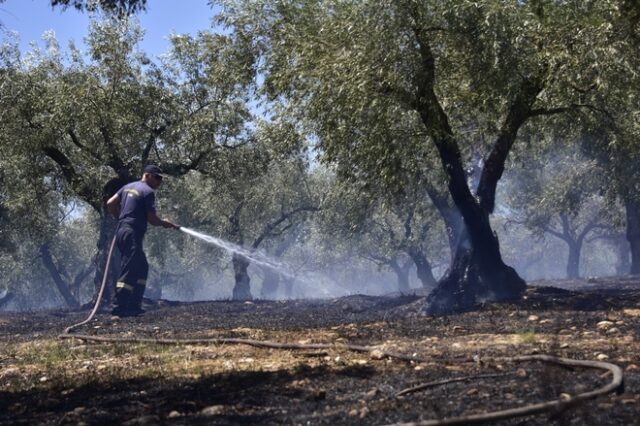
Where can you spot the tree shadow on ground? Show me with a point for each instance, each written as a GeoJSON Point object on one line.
{"type": "Point", "coordinates": [235, 397]}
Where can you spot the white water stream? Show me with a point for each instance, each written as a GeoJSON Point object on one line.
{"type": "Point", "coordinates": [255, 257]}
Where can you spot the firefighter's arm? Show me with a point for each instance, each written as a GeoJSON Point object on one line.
{"type": "Point", "coordinates": [153, 219]}
{"type": "Point", "coordinates": [113, 204]}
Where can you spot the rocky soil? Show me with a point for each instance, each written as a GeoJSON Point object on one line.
{"type": "Point", "coordinates": [47, 380]}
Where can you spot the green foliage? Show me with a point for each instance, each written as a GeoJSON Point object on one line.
{"type": "Point", "coordinates": [556, 184]}
{"type": "Point", "coordinates": [119, 7]}
{"type": "Point", "coordinates": [380, 229]}
{"type": "Point", "coordinates": [349, 69]}
{"type": "Point", "coordinates": [119, 111]}
{"type": "Point", "coordinates": [252, 185]}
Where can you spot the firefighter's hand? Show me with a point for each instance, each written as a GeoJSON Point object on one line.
{"type": "Point", "coordinates": [169, 224]}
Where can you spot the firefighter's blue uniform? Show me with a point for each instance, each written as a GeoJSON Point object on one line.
{"type": "Point", "coordinates": [137, 199]}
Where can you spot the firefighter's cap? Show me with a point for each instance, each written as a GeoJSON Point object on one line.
{"type": "Point", "coordinates": [153, 170]}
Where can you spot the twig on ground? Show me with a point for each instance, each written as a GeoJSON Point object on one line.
{"type": "Point", "coordinates": [314, 354]}
{"type": "Point", "coordinates": [256, 343]}
{"type": "Point", "coordinates": [447, 381]}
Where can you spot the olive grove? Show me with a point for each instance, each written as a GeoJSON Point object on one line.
{"type": "Point", "coordinates": [395, 137]}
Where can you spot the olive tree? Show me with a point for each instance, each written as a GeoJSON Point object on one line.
{"type": "Point", "coordinates": [255, 196]}
{"type": "Point", "coordinates": [396, 232]}
{"type": "Point", "coordinates": [99, 120]}
{"type": "Point", "coordinates": [560, 194]}
{"type": "Point", "coordinates": [459, 73]}
{"type": "Point", "coordinates": [45, 249]}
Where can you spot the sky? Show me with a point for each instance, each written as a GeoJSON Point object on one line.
{"type": "Point", "coordinates": [31, 18]}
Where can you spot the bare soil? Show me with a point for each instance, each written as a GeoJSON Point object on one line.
{"type": "Point", "coordinates": [46, 380]}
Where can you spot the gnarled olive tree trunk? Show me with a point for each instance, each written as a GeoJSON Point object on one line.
{"type": "Point", "coordinates": [402, 273]}
{"type": "Point", "coordinates": [241, 289]}
{"type": "Point", "coordinates": [63, 287]}
{"type": "Point", "coordinates": [477, 272]}
{"type": "Point", "coordinates": [423, 268]}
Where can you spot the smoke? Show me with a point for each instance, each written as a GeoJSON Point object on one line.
{"type": "Point", "coordinates": [546, 201]}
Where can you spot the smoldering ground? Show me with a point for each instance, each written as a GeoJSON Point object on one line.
{"type": "Point", "coordinates": [47, 381]}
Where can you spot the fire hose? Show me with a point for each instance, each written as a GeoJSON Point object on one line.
{"type": "Point", "coordinates": [67, 330]}
{"type": "Point", "coordinates": [616, 384]}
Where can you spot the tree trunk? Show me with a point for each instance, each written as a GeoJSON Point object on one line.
{"type": "Point", "coordinates": [269, 283]}
{"type": "Point", "coordinates": [477, 272]}
{"type": "Point", "coordinates": [423, 268]}
{"type": "Point", "coordinates": [573, 261]}
{"type": "Point", "coordinates": [241, 289]}
{"type": "Point", "coordinates": [632, 208]}
{"type": "Point", "coordinates": [402, 272]}
{"type": "Point", "coordinates": [79, 278]}
{"type": "Point", "coordinates": [6, 298]}
{"type": "Point", "coordinates": [623, 265]}
{"type": "Point", "coordinates": [474, 277]}
{"type": "Point", "coordinates": [108, 226]}
{"type": "Point", "coordinates": [62, 286]}
{"type": "Point", "coordinates": [453, 222]}
{"type": "Point", "coordinates": [288, 286]}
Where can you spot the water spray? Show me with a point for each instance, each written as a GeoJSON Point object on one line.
{"type": "Point", "coordinates": [253, 256]}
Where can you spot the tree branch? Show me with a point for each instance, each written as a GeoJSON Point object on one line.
{"type": "Point", "coordinates": [555, 233]}
{"type": "Point", "coordinates": [151, 142]}
{"type": "Point", "coordinates": [377, 259]}
{"type": "Point", "coordinates": [78, 183]}
{"type": "Point", "coordinates": [61, 285]}
{"type": "Point", "coordinates": [518, 113]}
{"type": "Point", "coordinates": [268, 229]}
{"type": "Point", "coordinates": [590, 227]}
{"type": "Point", "coordinates": [559, 110]}
{"type": "Point", "coordinates": [115, 162]}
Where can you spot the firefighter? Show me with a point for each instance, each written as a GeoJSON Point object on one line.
{"type": "Point", "coordinates": [134, 205]}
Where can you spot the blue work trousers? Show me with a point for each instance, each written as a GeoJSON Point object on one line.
{"type": "Point", "coordinates": [134, 268]}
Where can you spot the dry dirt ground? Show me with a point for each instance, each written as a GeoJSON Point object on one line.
{"type": "Point", "coordinates": [46, 380]}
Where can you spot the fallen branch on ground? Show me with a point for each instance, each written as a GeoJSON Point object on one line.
{"type": "Point", "coordinates": [446, 382]}
{"type": "Point", "coordinates": [375, 351]}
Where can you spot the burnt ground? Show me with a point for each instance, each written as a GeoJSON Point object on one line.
{"type": "Point", "coordinates": [46, 380]}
